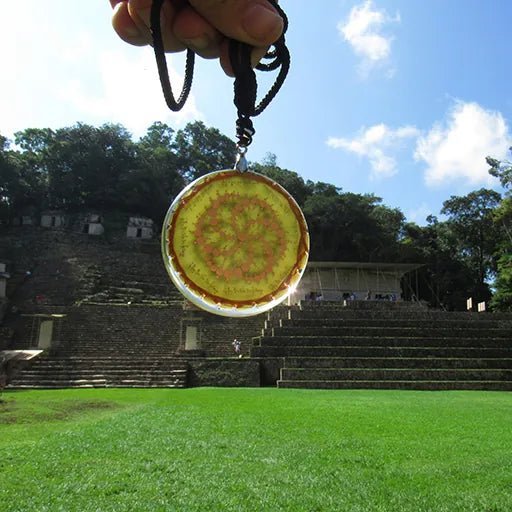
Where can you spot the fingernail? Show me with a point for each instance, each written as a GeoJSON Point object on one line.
{"type": "Point", "coordinates": [262, 24]}
{"type": "Point", "coordinates": [200, 43]}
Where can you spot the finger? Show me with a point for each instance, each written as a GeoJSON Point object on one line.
{"type": "Point", "coordinates": [125, 27]}
{"type": "Point", "coordinates": [225, 61]}
{"type": "Point", "coordinates": [196, 33]}
{"type": "Point", "coordinates": [140, 12]}
{"type": "Point", "coordinates": [255, 22]}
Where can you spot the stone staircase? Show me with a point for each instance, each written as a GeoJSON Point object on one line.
{"type": "Point", "coordinates": [127, 277]}
{"type": "Point", "coordinates": [389, 345]}
{"type": "Point", "coordinates": [109, 300]}
{"type": "Point", "coordinates": [51, 372]}
{"type": "Point", "coordinates": [106, 346]}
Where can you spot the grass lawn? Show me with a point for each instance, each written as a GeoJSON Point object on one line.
{"type": "Point", "coordinates": [212, 449]}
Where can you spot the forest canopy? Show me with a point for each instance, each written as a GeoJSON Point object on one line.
{"type": "Point", "coordinates": [82, 167]}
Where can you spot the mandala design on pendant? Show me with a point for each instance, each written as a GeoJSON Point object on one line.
{"type": "Point", "coordinates": [240, 237]}
{"type": "Point", "coordinates": [235, 243]}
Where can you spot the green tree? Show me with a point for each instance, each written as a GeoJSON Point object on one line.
{"type": "Point", "coordinates": [21, 185]}
{"type": "Point", "coordinates": [7, 179]}
{"type": "Point", "coordinates": [350, 227]}
{"type": "Point", "coordinates": [83, 164]}
{"type": "Point", "coordinates": [501, 169]}
{"type": "Point", "coordinates": [471, 219]}
{"type": "Point", "coordinates": [289, 180]}
{"type": "Point", "coordinates": [444, 279]}
{"type": "Point", "coordinates": [34, 160]}
{"type": "Point", "coordinates": [201, 150]}
{"type": "Point", "coordinates": [152, 184]}
{"type": "Point", "coordinates": [502, 299]}
{"type": "Point", "coordinates": [390, 223]}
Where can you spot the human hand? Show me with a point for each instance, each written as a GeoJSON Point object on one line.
{"type": "Point", "coordinates": [204, 26]}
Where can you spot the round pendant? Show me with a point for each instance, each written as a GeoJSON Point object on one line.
{"type": "Point", "coordinates": [235, 243]}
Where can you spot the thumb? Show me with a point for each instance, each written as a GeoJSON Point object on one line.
{"type": "Point", "coordinates": [255, 22]}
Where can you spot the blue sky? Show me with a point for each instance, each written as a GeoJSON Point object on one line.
{"type": "Point", "coordinates": [402, 99]}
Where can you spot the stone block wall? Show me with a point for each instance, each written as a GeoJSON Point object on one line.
{"type": "Point", "coordinates": [216, 333]}
{"type": "Point", "coordinates": [224, 373]}
{"type": "Point", "coordinates": [147, 330]}
{"type": "Point", "coordinates": [87, 329]}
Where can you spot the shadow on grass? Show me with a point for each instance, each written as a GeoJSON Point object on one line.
{"type": "Point", "coordinates": [14, 412]}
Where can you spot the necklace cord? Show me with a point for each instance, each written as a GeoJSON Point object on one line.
{"type": "Point", "coordinates": [163, 72]}
{"type": "Point", "coordinates": [245, 85]}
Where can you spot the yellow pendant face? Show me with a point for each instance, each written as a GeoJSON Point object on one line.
{"type": "Point", "coordinates": [235, 243]}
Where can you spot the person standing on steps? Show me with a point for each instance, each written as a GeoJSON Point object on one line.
{"type": "Point", "coordinates": [237, 345]}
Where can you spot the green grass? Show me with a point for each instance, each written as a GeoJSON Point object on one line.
{"type": "Point", "coordinates": [209, 449]}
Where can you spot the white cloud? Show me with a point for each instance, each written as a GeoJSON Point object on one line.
{"type": "Point", "coordinates": [362, 31]}
{"type": "Point", "coordinates": [375, 143]}
{"type": "Point", "coordinates": [130, 93]}
{"type": "Point", "coordinates": [79, 48]}
{"type": "Point", "coordinates": [419, 214]}
{"type": "Point", "coordinates": [63, 72]}
{"type": "Point", "coordinates": [455, 149]}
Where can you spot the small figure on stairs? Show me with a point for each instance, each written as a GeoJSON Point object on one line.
{"type": "Point", "coordinates": [237, 345]}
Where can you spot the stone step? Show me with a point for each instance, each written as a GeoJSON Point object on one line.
{"type": "Point", "coordinates": [394, 322]}
{"type": "Point", "coordinates": [113, 364]}
{"type": "Point", "coordinates": [112, 356]}
{"type": "Point", "coordinates": [105, 368]}
{"type": "Point", "coordinates": [143, 385]}
{"type": "Point", "coordinates": [53, 386]}
{"type": "Point", "coordinates": [380, 351]}
{"type": "Point", "coordinates": [392, 374]}
{"type": "Point", "coordinates": [72, 385]}
{"type": "Point", "coordinates": [52, 381]}
{"type": "Point", "coordinates": [30, 371]}
{"type": "Point", "coordinates": [410, 332]}
{"type": "Point", "coordinates": [434, 315]}
{"type": "Point", "coordinates": [399, 305]}
{"type": "Point", "coordinates": [124, 371]}
{"type": "Point", "coordinates": [35, 375]}
{"type": "Point", "coordinates": [123, 352]}
{"type": "Point", "coordinates": [98, 376]}
{"type": "Point", "coordinates": [69, 374]}
{"type": "Point", "coordinates": [108, 365]}
{"type": "Point", "coordinates": [396, 309]}
{"type": "Point", "coordinates": [116, 341]}
{"type": "Point", "coordinates": [425, 385]}
{"type": "Point", "coordinates": [116, 356]}
{"type": "Point", "coordinates": [134, 356]}
{"type": "Point", "coordinates": [379, 341]}
{"type": "Point", "coordinates": [398, 362]}
{"type": "Point", "coordinates": [113, 347]}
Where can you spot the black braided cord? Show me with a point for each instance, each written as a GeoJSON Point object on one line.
{"type": "Point", "coordinates": [245, 86]}
{"type": "Point", "coordinates": [163, 72]}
